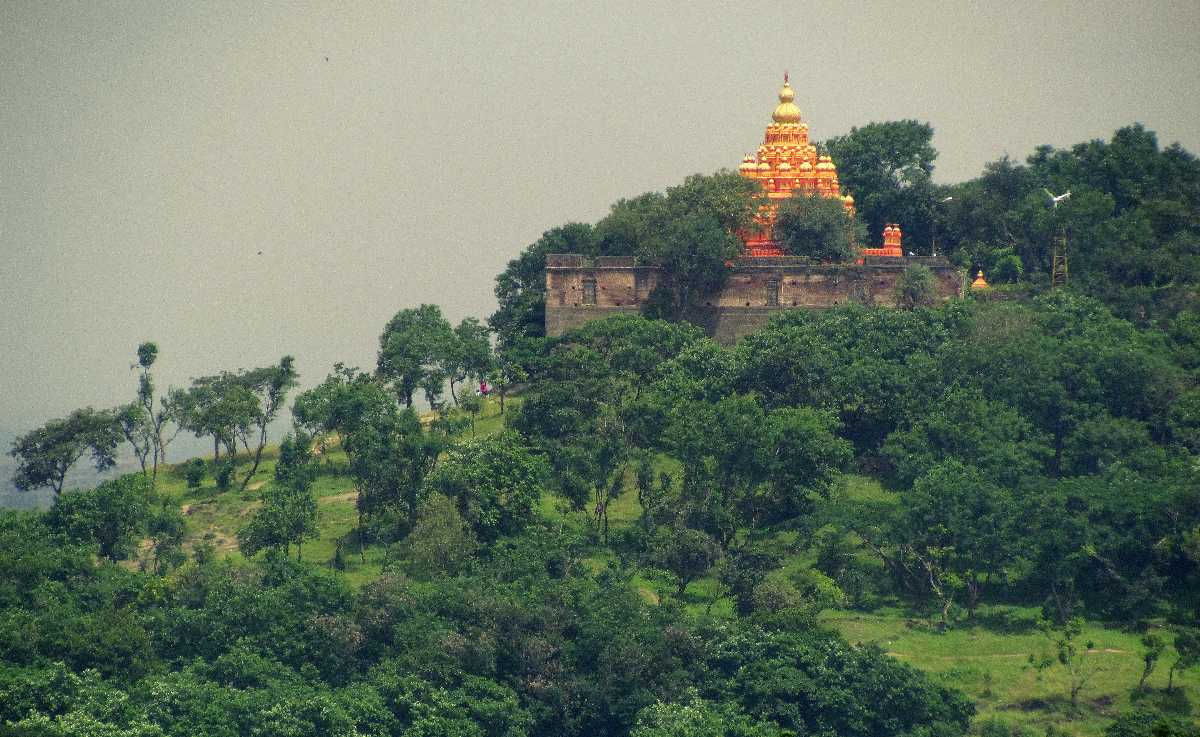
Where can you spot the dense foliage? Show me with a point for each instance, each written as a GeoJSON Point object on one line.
{"type": "Point", "coordinates": [525, 642]}
{"type": "Point", "coordinates": [1035, 447]}
{"type": "Point", "coordinates": [1132, 223]}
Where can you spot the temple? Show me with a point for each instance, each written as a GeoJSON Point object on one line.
{"type": "Point", "coordinates": [787, 164]}
{"type": "Point", "coordinates": [763, 280]}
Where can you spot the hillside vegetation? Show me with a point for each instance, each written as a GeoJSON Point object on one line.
{"type": "Point", "coordinates": [973, 517]}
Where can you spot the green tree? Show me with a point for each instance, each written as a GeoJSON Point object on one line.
{"type": "Point", "coordinates": [817, 227]}
{"type": "Point", "coordinates": [698, 718]}
{"type": "Point", "coordinates": [956, 535]}
{"type": "Point", "coordinates": [521, 287]}
{"type": "Point", "coordinates": [296, 462]}
{"type": "Point", "coordinates": [744, 569]}
{"type": "Point", "coordinates": [691, 250]}
{"type": "Point", "coordinates": [441, 542]}
{"type": "Point", "coordinates": [142, 422]}
{"type": "Point", "coordinates": [236, 406]}
{"type": "Point", "coordinates": [495, 482]}
{"type": "Point", "coordinates": [916, 287]}
{"type": "Point", "coordinates": [1150, 723]}
{"type": "Point", "coordinates": [1187, 651]}
{"type": "Point", "coordinates": [193, 473]}
{"type": "Point", "coordinates": [472, 404]}
{"type": "Point", "coordinates": [873, 367]}
{"type": "Point", "coordinates": [471, 357]}
{"type": "Point", "coordinates": [805, 458]}
{"type": "Point", "coordinates": [392, 456]}
{"type": "Point", "coordinates": [964, 425]}
{"type": "Point", "coordinates": [413, 351]}
{"type": "Point", "coordinates": [269, 386]}
{"type": "Point", "coordinates": [45, 455]}
{"type": "Point", "coordinates": [690, 233]}
{"type": "Point", "coordinates": [219, 406]}
{"type": "Point", "coordinates": [1072, 653]}
{"type": "Point", "coordinates": [288, 515]}
{"type": "Point", "coordinates": [1129, 222]}
{"type": "Point", "coordinates": [744, 467]}
{"type": "Point", "coordinates": [345, 401]}
{"type": "Point", "coordinates": [506, 373]}
{"type": "Point", "coordinates": [165, 528]}
{"type": "Point", "coordinates": [687, 553]}
{"type": "Point", "coordinates": [1154, 646]}
{"type": "Point", "coordinates": [113, 516]}
{"type": "Point", "coordinates": [888, 168]}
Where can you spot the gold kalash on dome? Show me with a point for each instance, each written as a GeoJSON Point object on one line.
{"type": "Point", "coordinates": [787, 164]}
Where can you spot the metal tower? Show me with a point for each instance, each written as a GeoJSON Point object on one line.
{"type": "Point", "coordinates": [1058, 261]}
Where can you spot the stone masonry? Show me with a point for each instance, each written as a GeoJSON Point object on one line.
{"type": "Point", "coordinates": [579, 289]}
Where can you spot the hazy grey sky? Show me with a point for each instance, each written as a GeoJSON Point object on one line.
{"type": "Point", "coordinates": [385, 155]}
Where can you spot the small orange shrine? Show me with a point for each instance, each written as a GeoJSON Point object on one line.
{"type": "Point", "coordinates": [786, 164]}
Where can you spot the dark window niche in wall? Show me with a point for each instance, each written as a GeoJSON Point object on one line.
{"type": "Point", "coordinates": [773, 293]}
{"type": "Point", "coordinates": [589, 291]}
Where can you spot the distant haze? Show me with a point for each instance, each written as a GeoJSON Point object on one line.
{"type": "Point", "coordinates": [381, 156]}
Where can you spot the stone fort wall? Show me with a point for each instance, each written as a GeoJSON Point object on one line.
{"type": "Point", "coordinates": [579, 289]}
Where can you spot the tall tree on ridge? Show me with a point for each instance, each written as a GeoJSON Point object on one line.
{"type": "Point", "coordinates": [270, 385]}
{"type": "Point", "coordinates": [141, 422]}
{"type": "Point", "coordinates": [888, 168]}
{"type": "Point", "coordinates": [412, 350]}
{"type": "Point", "coordinates": [45, 455]}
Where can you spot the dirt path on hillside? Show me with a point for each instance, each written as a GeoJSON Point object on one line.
{"type": "Point", "coordinates": [347, 496]}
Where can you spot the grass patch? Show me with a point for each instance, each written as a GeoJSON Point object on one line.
{"type": "Point", "coordinates": [992, 667]}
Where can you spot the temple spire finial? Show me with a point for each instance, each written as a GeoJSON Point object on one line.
{"type": "Point", "coordinates": [785, 76]}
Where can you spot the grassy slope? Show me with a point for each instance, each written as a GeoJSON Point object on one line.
{"type": "Point", "coordinates": [989, 663]}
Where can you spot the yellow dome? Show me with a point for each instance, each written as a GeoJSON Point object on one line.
{"type": "Point", "coordinates": [848, 200]}
{"type": "Point", "coordinates": [785, 166]}
{"type": "Point", "coordinates": [764, 166]}
{"type": "Point", "coordinates": [806, 166]}
{"type": "Point", "coordinates": [787, 112]}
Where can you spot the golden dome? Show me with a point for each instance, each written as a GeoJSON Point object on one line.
{"type": "Point", "coordinates": [764, 166]}
{"type": "Point", "coordinates": [787, 112]}
{"type": "Point", "coordinates": [806, 166]}
{"type": "Point", "coordinates": [785, 166]}
{"type": "Point", "coordinates": [980, 282]}
{"type": "Point", "coordinates": [848, 199]}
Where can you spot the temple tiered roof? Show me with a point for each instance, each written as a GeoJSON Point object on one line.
{"type": "Point", "coordinates": [787, 163]}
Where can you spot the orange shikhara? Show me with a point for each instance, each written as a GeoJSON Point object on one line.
{"type": "Point", "coordinates": [786, 163]}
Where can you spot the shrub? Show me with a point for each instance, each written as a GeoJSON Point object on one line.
{"type": "Point", "coordinates": [224, 476]}
{"type": "Point", "coordinates": [193, 473]}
